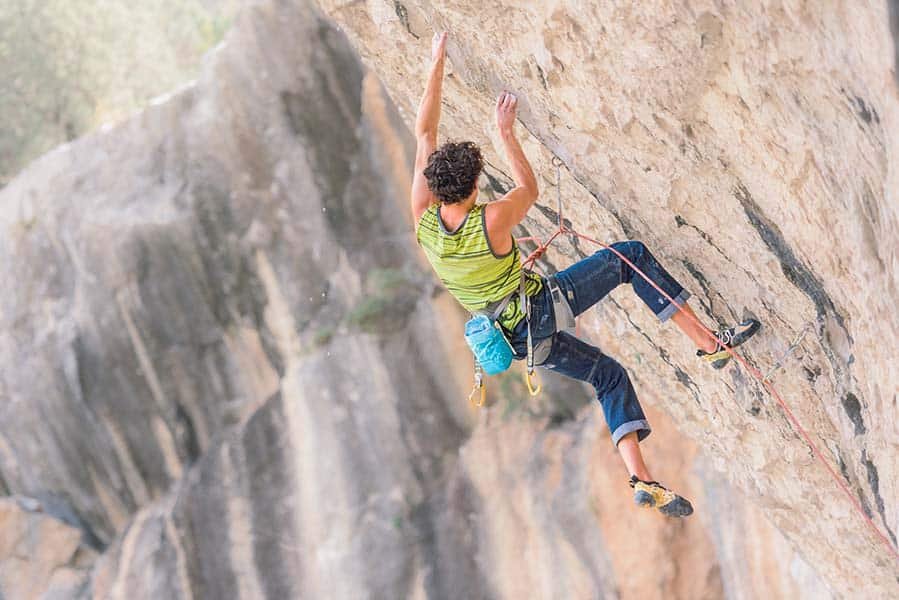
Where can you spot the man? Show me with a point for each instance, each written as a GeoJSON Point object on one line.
{"type": "Point", "coordinates": [473, 252]}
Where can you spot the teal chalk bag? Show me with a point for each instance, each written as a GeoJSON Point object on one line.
{"type": "Point", "coordinates": [488, 344]}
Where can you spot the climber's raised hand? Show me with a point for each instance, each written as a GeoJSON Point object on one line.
{"type": "Point", "coordinates": [504, 214]}
{"type": "Point", "coordinates": [438, 46]}
{"type": "Point", "coordinates": [506, 106]}
{"type": "Point", "coordinates": [427, 122]}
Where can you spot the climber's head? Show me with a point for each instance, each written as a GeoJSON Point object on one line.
{"type": "Point", "coordinates": [453, 171]}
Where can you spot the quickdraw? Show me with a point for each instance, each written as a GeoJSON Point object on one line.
{"type": "Point", "coordinates": [478, 385]}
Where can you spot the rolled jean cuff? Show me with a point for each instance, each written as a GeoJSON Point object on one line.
{"type": "Point", "coordinates": [641, 426]}
{"type": "Point", "coordinates": [672, 308]}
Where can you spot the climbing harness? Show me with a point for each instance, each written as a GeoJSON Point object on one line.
{"type": "Point", "coordinates": [565, 320]}
{"type": "Point", "coordinates": [763, 379]}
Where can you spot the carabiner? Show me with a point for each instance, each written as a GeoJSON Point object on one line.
{"type": "Point", "coordinates": [527, 380]}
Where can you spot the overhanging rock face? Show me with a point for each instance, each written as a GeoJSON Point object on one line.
{"type": "Point", "coordinates": [754, 149]}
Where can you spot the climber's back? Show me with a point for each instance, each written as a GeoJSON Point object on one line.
{"type": "Point", "coordinates": [467, 265]}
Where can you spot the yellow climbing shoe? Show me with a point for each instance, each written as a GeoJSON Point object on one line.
{"type": "Point", "coordinates": [652, 494]}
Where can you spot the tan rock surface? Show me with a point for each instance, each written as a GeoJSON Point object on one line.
{"type": "Point", "coordinates": [40, 555]}
{"type": "Point", "coordinates": [225, 358]}
{"type": "Point", "coordinates": [754, 148]}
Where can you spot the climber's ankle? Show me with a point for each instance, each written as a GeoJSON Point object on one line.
{"type": "Point", "coordinates": [709, 346]}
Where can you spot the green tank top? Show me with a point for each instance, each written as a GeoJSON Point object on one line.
{"type": "Point", "coordinates": [469, 268]}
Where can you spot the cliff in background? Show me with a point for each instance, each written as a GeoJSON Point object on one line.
{"type": "Point", "coordinates": [228, 373]}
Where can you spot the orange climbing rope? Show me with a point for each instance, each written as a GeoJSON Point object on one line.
{"type": "Point", "coordinates": [562, 229]}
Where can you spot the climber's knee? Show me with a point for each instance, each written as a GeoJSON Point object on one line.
{"type": "Point", "coordinates": [634, 250]}
{"type": "Point", "coordinates": [609, 377]}
{"type": "Point", "coordinates": [620, 406]}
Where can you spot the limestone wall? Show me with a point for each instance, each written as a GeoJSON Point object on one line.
{"type": "Point", "coordinates": [226, 371]}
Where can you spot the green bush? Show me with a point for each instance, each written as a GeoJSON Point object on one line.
{"type": "Point", "coordinates": [391, 295]}
{"type": "Point", "coordinates": [70, 65]}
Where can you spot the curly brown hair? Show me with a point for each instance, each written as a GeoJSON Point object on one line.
{"type": "Point", "coordinates": [453, 171]}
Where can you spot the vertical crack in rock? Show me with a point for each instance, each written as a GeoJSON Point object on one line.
{"type": "Point", "coordinates": [214, 221]}
{"type": "Point", "coordinates": [552, 215]}
{"type": "Point", "coordinates": [706, 289]}
{"type": "Point", "coordinates": [338, 76]}
{"type": "Point", "coordinates": [403, 13]}
{"type": "Point", "coordinates": [190, 565]}
{"type": "Point", "coordinates": [864, 112]}
{"type": "Point", "coordinates": [874, 482]}
{"type": "Point", "coordinates": [267, 337]}
{"type": "Point", "coordinates": [270, 519]}
{"type": "Point", "coordinates": [844, 469]}
{"type": "Point", "coordinates": [425, 452]}
{"type": "Point", "coordinates": [542, 77]}
{"type": "Point", "coordinates": [569, 523]}
{"type": "Point", "coordinates": [802, 277]}
{"type": "Point", "coordinates": [836, 340]}
{"type": "Point", "coordinates": [86, 366]}
{"type": "Point", "coordinates": [793, 269]}
{"type": "Point", "coordinates": [59, 506]}
{"type": "Point", "coordinates": [681, 222]}
{"type": "Point", "coordinates": [186, 434]}
{"type": "Point", "coordinates": [859, 492]}
{"type": "Point", "coordinates": [461, 512]}
{"type": "Point", "coordinates": [870, 222]}
{"type": "Point", "coordinates": [811, 374]}
{"type": "Point", "coordinates": [181, 560]}
{"type": "Point", "coordinates": [496, 185]}
{"type": "Point", "coordinates": [853, 408]}
{"type": "Point", "coordinates": [679, 373]}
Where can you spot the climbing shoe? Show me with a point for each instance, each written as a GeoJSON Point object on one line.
{"type": "Point", "coordinates": [652, 494]}
{"type": "Point", "coordinates": [731, 336]}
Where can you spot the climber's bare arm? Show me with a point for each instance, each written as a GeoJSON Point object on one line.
{"type": "Point", "coordinates": [509, 211]}
{"type": "Point", "coordinates": [426, 123]}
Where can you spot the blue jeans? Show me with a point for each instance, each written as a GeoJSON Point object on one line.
{"type": "Point", "coordinates": [584, 284]}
